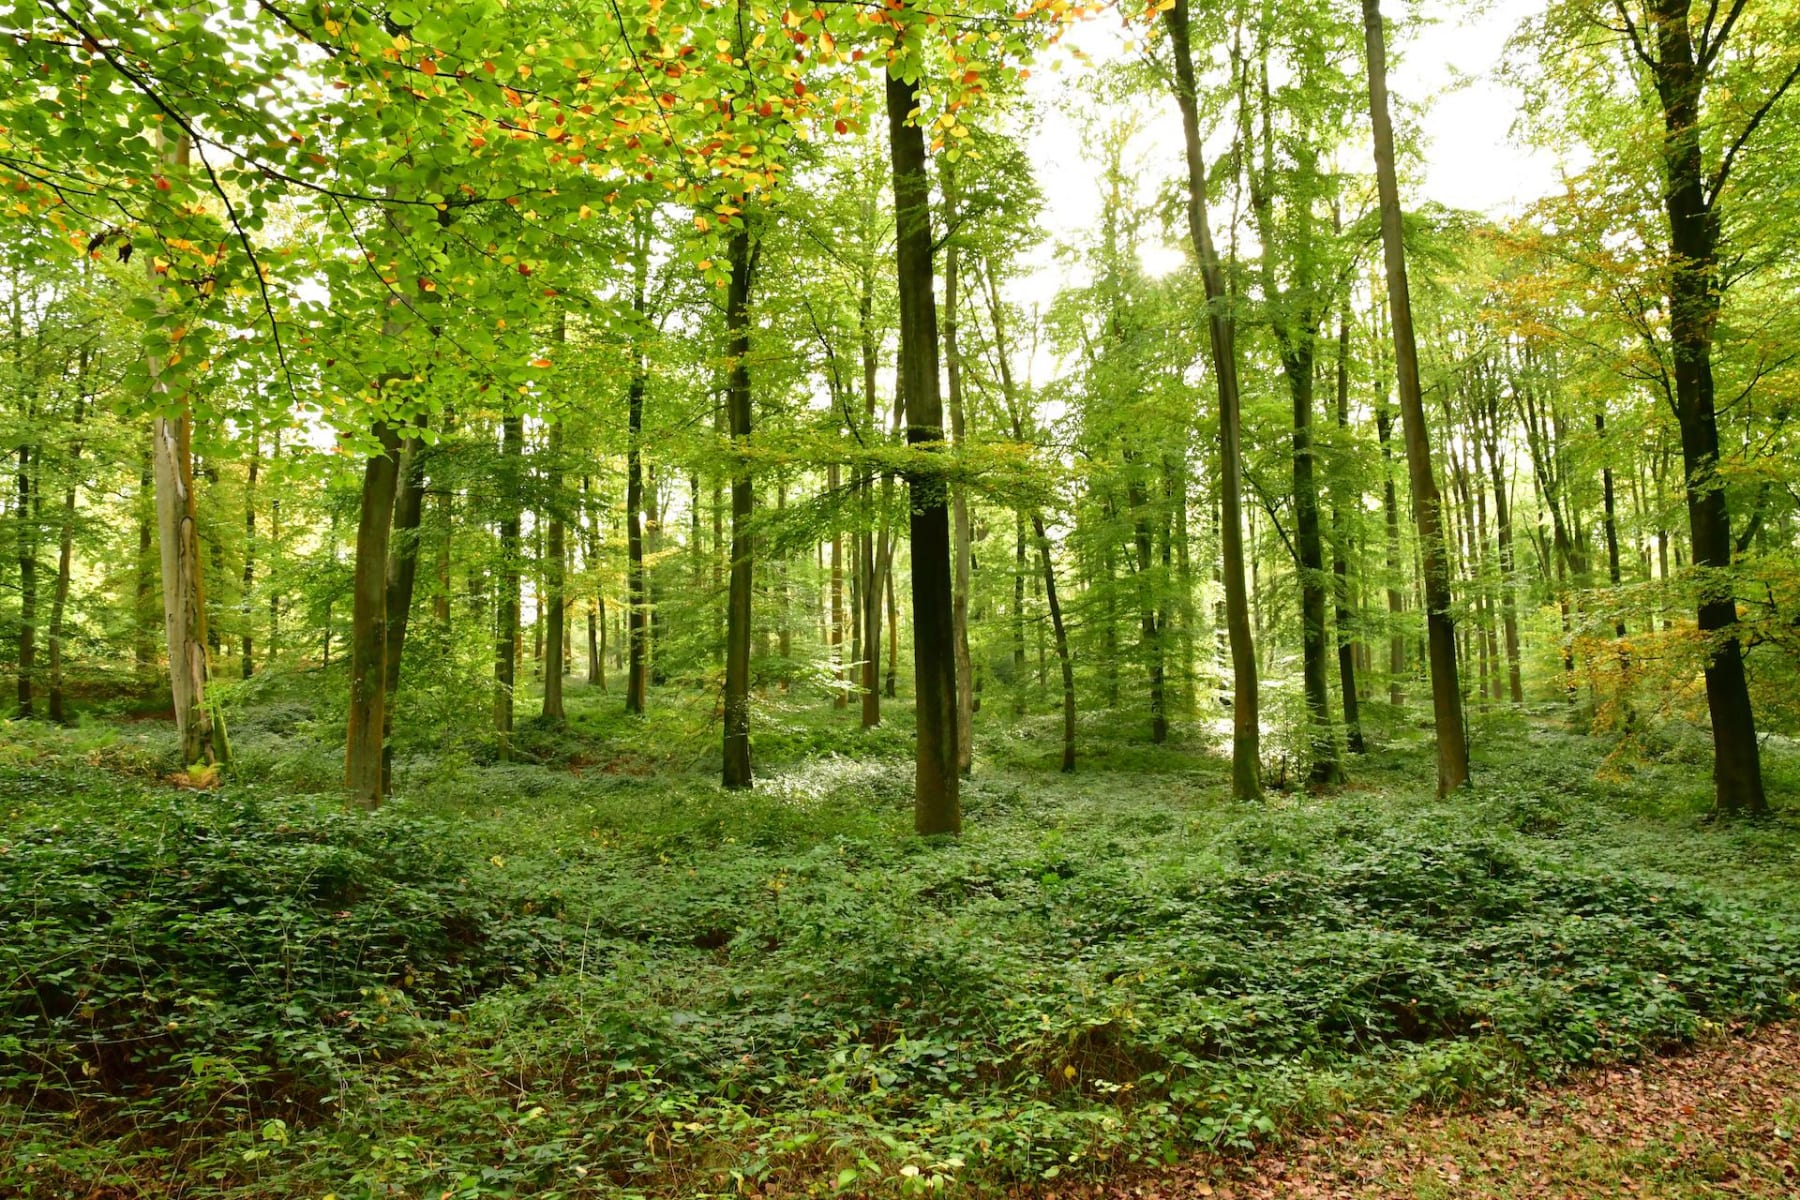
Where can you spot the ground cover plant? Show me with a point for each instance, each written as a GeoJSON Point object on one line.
{"type": "Point", "coordinates": [668, 598]}
{"type": "Point", "coordinates": [545, 979]}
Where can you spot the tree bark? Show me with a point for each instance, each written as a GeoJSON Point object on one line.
{"type": "Point", "coordinates": [637, 617]}
{"type": "Point", "coordinates": [965, 670]}
{"type": "Point", "coordinates": [506, 603]}
{"type": "Point", "coordinates": [368, 624]}
{"type": "Point", "coordinates": [1446, 695]}
{"type": "Point", "coordinates": [401, 576]}
{"type": "Point", "coordinates": [737, 772]}
{"type": "Point", "coordinates": [937, 798]}
{"type": "Point", "coordinates": [1062, 642]}
{"type": "Point", "coordinates": [1246, 766]}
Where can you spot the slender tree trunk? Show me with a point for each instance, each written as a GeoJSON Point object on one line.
{"type": "Point", "coordinates": [1452, 743]}
{"type": "Point", "coordinates": [401, 576]}
{"type": "Point", "coordinates": [555, 620]}
{"type": "Point", "coordinates": [841, 695]}
{"type": "Point", "coordinates": [637, 614]}
{"type": "Point", "coordinates": [143, 650]}
{"type": "Point", "coordinates": [506, 607]}
{"type": "Point", "coordinates": [247, 643]}
{"type": "Point", "coordinates": [1343, 499]}
{"type": "Point", "coordinates": [1152, 635]}
{"type": "Point", "coordinates": [965, 670]}
{"type": "Point", "coordinates": [28, 590]}
{"type": "Point", "coordinates": [1246, 768]}
{"type": "Point", "coordinates": [59, 596]}
{"type": "Point", "coordinates": [937, 798]}
{"type": "Point", "coordinates": [1062, 642]}
{"type": "Point", "coordinates": [737, 773]}
{"type": "Point", "coordinates": [363, 756]}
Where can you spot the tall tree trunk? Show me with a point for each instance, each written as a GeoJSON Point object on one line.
{"type": "Point", "coordinates": [555, 619]}
{"type": "Point", "coordinates": [1309, 544]}
{"type": "Point", "coordinates": [506, 605]}
{"type": "Point", "coordinates": [1152, 635]}
{"type": "Point", "coordinates": [27, 541]}
{"type": "Point", "coordinates": [937, 804]}
{"type": "Point", "coordinates": [402, 575]}
{"type": "Point", "coordinates": [367, 716]}
{"type": "Point", "coordinates": [1343, 499]}
{"type": "Point", "coordinates": [1694, 306]}
{"type": "Point", "coordinates": [247, 643]}
{"type": "Point", "coordinates": [1062, 642]}
{"type": "Point", "coordinates": [1446, 694]}
{"type": "Point", "coordinates": [737, 772]}
{"type": "Point", "coordinates": [143, 649]}
{"type": "Point", "coordinates": [1246, 767]}
{"type": "Point", "coordinates": [965, 669]}
{"type": "Point", "coordinates": [637, 616]}
{"type": "Point", "coordinates": [840, 669]}
{"type": "Point", "coordinates": [59, 596]}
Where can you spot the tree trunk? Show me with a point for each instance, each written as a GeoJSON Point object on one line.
{"type": "Point", "coordinates": [1246, 766]}
{"type": "Point", "coordinates": [637, 614]}
{"type": "Point", "coordinates": [402, 574]}
{"type": "Point", "coordinates": [1446, 695]}
{"type": "Point", "coordinates": [247, 643]}
{"type": "Point", "coordinates": [27, 535]}
{"type": "Point", "coordinates": [937, 799]}
{"type": "Point", "coordinates": [841, 695]}
{"type": "Point", "coordinates": [368, 625]}
{"type": "Point", "coordinates": [555, 616]}
{"type": "Point", "coordinates": [965, 671]}
{"type": "Point", "coordinates": [506, 602]}
{"type": "Point", "coordinates": [737, 773]}
{"type": "Point", "coordinates": [1062, 642]}
{"type": "Point", "coordinates": [1342, 502]}
{"type": "Point", "coordinates": [59, 596]}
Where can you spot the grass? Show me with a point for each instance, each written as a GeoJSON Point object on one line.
{"type": "Point", "coordinates": [595, 973]}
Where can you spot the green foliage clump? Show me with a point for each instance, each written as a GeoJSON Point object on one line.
{"type": "Point", "coordinates": [575, 976]}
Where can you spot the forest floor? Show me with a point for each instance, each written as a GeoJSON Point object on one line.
{"type": "Point", "coordinates": [588, 972]}
{"type": "Point", "coordinates": [1718, 1119]}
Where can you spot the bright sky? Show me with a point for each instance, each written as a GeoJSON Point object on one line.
{"type": "Point", "coordinates": [1450, 66]}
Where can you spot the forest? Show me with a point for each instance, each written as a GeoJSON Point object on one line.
{"type": "Point", "coordinates": [681, 598]}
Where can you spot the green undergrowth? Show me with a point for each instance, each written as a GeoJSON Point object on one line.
{"type": "Point", "coordinates": [587, 971]}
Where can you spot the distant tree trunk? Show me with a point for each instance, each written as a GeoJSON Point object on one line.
{"type": "Point", "coordinates": [965, 668]}
{"type": "Point", "coordinates": [637, 614]}
{"type": "Point", "coordinates": [1246, 765]}
{"type": "Point", "coordinates": [368, 624]}
{"type": "Point", "coordinates": [841, 696]}
{"type": "Point", "coordinates": [1504, 533]}
{"type": "Point", "coordinates": [27, 535]}
{"type": "Point", "coordinates": [555, 620]}
{"type": "Point", "coordinates": [143, 650]}
{"type": "Point", "coordinates": [1062, 642]}
{"type": "Point", "coordinates": [891, 686]}
{"type": "Point", "coordinates": [401, 576]}
{"type": "Point", "coordinates": [274, 647]}
{"type": "Point", "coordinates": [247, 644]}
{"type": "Point", "coordinates": [59, 597]}
{"type": "Point", "coordinates": [596, 609]}
{"type": "Point", "coordinates": [1152, 635]}
{"type": "Point", "coordinates": [1452, 743]}
{"type": "Point", "coordinates": [1396, 597]}
{"type": "Point", "coordinates": [506, 606]}
{"type": "Point", "coordinates": [1342, 502]}
{"type": "Point", "coordinates": [737, 773]}
{"type": "Point", "coordinates": [937, 798]}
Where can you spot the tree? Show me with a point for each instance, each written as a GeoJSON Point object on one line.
{"type": "Point", "coordinates": [1246, 767]}
{"type": "Point", "coordinates": [1446, 692]}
